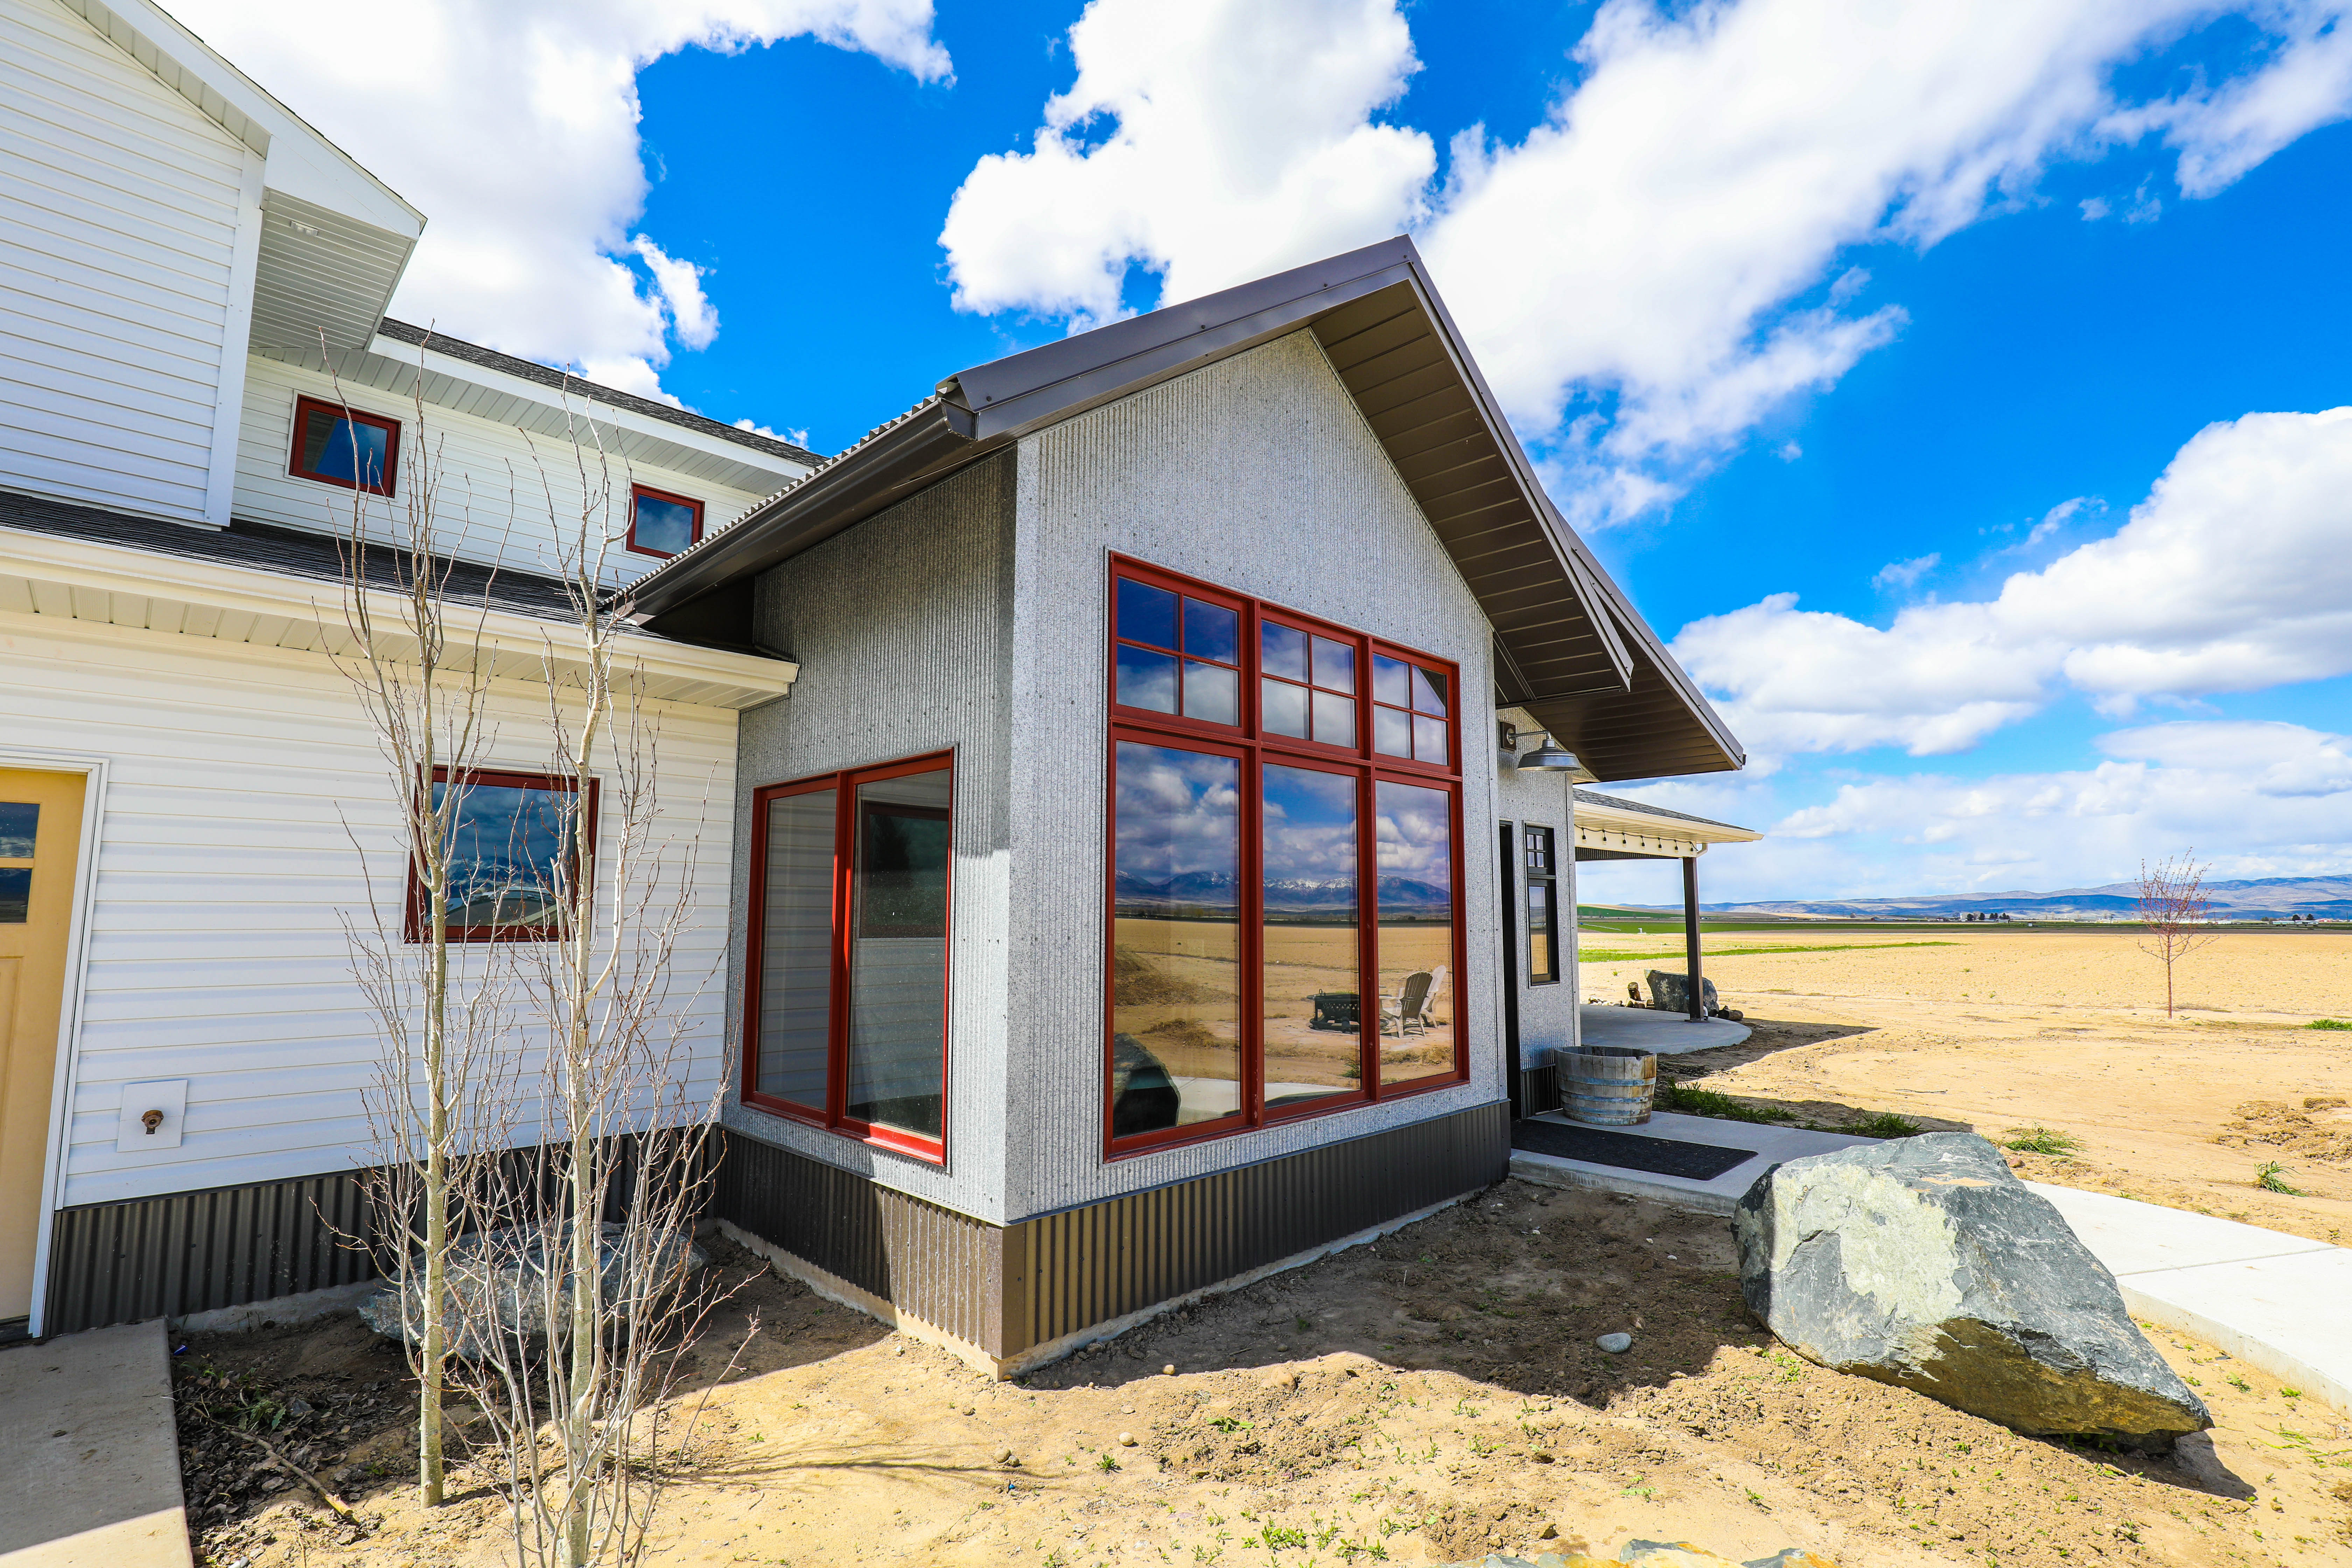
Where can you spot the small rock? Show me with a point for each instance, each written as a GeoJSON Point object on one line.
{"type": "Point", "coordinates": [1615, 1345]}
{"type": "Point", "coordinates": [971, 1409]}
{"type": "Point", "coordinates": [1126, 1439]}
{"type": "Point", "coordinates": [1167, 1371]}
{"type": "Point", "coordinates": [298, 1408]}
{"type": "Point", "coordinates": [1549, 1532]}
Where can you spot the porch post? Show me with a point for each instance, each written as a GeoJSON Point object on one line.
{"type": "Point", "coordinates": [1690, 938]}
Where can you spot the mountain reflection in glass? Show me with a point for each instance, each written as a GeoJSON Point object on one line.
{"type": "Point", "coordinates": [1176, 942]}
{"type": "Point", "coordinates": [509, 864]}
{"type": "Point", "coordinates": [1413, 841]}
{"type": "Point", "coordinates": [898, 954]}
{"type": "Point", "coordinates": [1314, 1034]}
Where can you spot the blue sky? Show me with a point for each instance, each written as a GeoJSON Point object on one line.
{"type": "Point", "coordinates": [2001, 336]}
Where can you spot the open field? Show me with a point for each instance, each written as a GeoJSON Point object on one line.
{"type": "Point", "coordinates": [1429, 1398]}
{"type": "Point", "coordinates": [1996, 1029]}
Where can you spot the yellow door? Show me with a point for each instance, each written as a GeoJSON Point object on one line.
{"type": "Point", "coordinates": [40, 838]}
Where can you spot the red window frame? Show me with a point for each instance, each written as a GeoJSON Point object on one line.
{"type": "Point", "coordinates": [834, 1116]}
{"type": "Point", "coordinates": [306, 407]}
{"type": "Point", "coordinates": [637, 492]}
{"type": "Point", "coordinates": [417, 923]}
{"type": "Point", "coordinates": [1246, 742]}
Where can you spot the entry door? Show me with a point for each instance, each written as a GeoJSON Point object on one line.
{"type": "Point", "coordinates": [40, 835]}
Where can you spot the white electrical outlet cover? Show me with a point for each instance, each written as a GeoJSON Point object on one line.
{"type": "Point", "coordinates": [168, 1095]}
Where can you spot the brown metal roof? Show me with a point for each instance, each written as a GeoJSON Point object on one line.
{"type": "Point", "coordinates": [1570, 648]}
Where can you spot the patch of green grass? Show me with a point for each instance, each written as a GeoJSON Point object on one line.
{"type": "Point", "coordinates": [1604, 955]}
{"type": "Point", "coordinates": [2327, 1023]}
{"type": "Point", "coordinates": [1708, 1102]}
{"type": "Point", "coordinates": [2272, 1178]}
{"type": "Point", "coordinates": [1887, 1124]}
{"type": "Point", "coordinates": [2040, 1140]}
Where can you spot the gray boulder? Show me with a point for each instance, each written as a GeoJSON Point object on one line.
{"type": "Point", "coordinates": [1670, 990]}
{"type": "Point", "coordinates": [1923, 1262]}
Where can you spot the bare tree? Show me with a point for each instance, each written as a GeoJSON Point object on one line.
{"type": "Point", "coordinates": [417, 661]}
{"type": "Point", "coordinates": [2173, 906]}
{"type": "Point", "coordinates": [579, 1295]}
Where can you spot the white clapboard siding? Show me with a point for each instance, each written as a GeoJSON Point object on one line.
{"type": "Point", "coordinates": [492, 489]}
{"type": "Point", "coordinates": [225, 865]}
{"type": "Point", "coordinates": [119, 207]}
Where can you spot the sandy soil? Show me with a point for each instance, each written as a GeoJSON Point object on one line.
{"type": "Point", "coordinates": [2000, 1030]}
{"type": "Point", "coordinates": [1428, 1399]}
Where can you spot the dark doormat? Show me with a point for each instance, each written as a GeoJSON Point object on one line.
{"type": "Point", "coordinates": [1627, 1150]}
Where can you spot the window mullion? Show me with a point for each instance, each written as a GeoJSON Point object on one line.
{"type": "Point", "coordinates": [845, 851]}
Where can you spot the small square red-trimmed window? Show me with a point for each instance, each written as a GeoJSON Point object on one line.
{"type": "Point", "coordinates": [340, 445]}
{"type": "Point", "coordinates": [1306, 686]}
{"type": "Point", "coordinates": [661, 524]}
{"type": "Point", "coordinates": [1409, 710]}
{"type": "Point", "coordinates": [1178, 654]}
{"type": "Point", "coordinates": [515, 871]}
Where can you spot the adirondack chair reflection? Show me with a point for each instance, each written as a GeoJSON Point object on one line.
{"type": "Point", "coordinates": [1407, 1013]}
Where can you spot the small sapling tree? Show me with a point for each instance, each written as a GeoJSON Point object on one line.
{"type": "Point", "coordinates": [2173, 906]}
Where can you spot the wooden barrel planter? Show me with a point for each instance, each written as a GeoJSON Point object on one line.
{"type": "Point", "coordinates": [1607, 1085]}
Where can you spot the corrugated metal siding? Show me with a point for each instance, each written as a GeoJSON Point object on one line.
{"type": "Point", "coordinates": [118, 210]}
{"type": "Point", "coordinates": [1068, 1271]}
{"type": "Point", "coordinates": [192, 1252]}
{"type": "Point", "coordinates": [930, 1262]}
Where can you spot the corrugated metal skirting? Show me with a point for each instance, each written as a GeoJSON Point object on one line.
{"type": "Point", "coordinates": [193, 1252]}
{"type": "Point", "coordinates": [1008, 1289]}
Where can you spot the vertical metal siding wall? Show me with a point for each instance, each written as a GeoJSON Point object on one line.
{"type": "Point", "coordinates": [1008, 1289]}
{"type": "Point", "coordinates": [193, 1252]}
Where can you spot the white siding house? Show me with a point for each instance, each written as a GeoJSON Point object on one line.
{"type": "Point", "coordinates": [181, 260]}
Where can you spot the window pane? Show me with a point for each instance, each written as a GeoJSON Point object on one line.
{"type": "Point", "coordinates": [1414, 835]}
{"type": "Point", "coordinates": [1314, 1033]}
{"type": "Point", "coordinates": [1211, 631]}
{"type": "Point", "coordinates": [1175, 939]}
{"type": "Point", "coordinates": [1335, 665]}
{"type": "Point", "coordinates": [1392, 680]}
{"type": "Point", "coordinates": [343, 449]}
{"type": "Point", "coordinates": [1147, 613]}
{"type": "Point", "coordinates": [796, 950]}
{"type": "Point", "coordinates": [1428, 739]}
{"type": "Point", "coordinates": [1213, 691]}
{"type": "Point", "coordinates": [1335, 720]}
{"type": "Point", "coordinates": [508, 865]}
{"type": "Point", "coordinates": [1282, 708]}
{"type": "Point", "coordinates": [20, 822]}
{"type": "Point", "coordinates": [1147, 679]}
{"type": "Point", "coordinates": [1391, 732]}
{"type": "Point", "coordinates": [898, 955]}
{"type": "Point", "coordinates": [1282, 651]}
{"type": "Point", "coordinates": [16, 894]}
{"type": "Point", "coordinates": [1541, 961]}
{"type": "Point", "coordinates": [1428, 691]}
{"type": "Point", "coordinates": [664, 526]}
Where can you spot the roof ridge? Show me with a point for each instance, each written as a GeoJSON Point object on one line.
{"type": "Point", "coordinates": [563, 380]}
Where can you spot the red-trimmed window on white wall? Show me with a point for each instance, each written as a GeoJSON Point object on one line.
{"type": "Point", "coordinates": [1285, 866]}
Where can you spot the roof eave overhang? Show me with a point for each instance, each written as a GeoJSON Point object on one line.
{"type": "Point", "coordinates": [1581, 660]}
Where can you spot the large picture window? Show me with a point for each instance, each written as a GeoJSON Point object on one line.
{"type": "Point", "coordinates": [515, 866]}
{"type": "Point", "coordinates": [845, 1004]}
{"type": "Point", "coordinates": [1286, 935]}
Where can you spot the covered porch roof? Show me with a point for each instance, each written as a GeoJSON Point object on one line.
{"type": "Point", "coordinates": [1609, 828]}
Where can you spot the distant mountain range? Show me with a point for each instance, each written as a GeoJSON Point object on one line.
{"type": "Point", "coordinates": [2275, 897]}
{"type": "Point", "coordinates": [1296, 899]}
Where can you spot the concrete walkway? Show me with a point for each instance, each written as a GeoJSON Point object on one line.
{"type": "Point", "coordinates": [2276, 1300]}
{"type": "Point", "coordinates": [1647, 1029]}
{"type": "Point", "coordinates": [1770, 1146]}
{"type": "Point", "coordinates": [89, 1459]}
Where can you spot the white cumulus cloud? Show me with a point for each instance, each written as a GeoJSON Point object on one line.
{"type": "Point", "coordinates": [1664, 260]}
{"type": "Point", "coordinates": [2233, 575]}
{"type": "Point", "coordinates": [1210, 142]}
{"type": "Point", "coordinates": [512, 124]}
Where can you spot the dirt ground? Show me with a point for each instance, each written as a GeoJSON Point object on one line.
{"type": "Point", "coordinates": [1429, 1398]}
{"type": "Point", "coordinates": [1998, 1029]}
